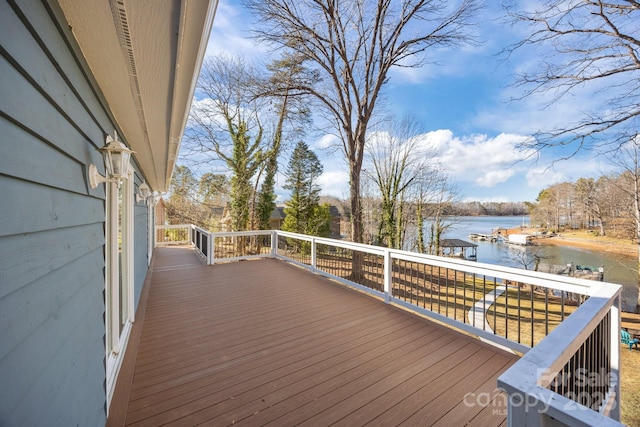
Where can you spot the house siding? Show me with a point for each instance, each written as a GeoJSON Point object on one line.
{"type": "Point", "coordinates": [140, 250]}
{"type": "Point", "coordinates": [52, 228]}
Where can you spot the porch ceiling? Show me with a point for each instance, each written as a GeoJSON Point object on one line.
{"type": "Point", "coordinates": [145, 57]}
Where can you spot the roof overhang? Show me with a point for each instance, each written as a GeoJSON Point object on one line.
{"type": "Point", "coordinates": [145, 57]}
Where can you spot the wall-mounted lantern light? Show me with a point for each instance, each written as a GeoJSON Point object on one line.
{"type": "Point", "coordinates": [116, 161]}
{"type": "Point", "coordinates": [144, 193]}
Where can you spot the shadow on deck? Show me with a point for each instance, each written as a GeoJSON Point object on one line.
{"type": "Point", "coordinates": [264, 342]}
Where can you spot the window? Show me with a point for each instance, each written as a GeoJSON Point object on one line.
{"type": "Point", "coordinates": [119, 274]}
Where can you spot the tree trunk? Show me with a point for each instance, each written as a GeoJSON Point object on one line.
{"type": "Point", "coordinates": [420, 220]}
{"type": "Point", "coordinates": [357, 231]}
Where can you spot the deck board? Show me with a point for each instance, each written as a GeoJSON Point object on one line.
{"type": "Point", "coordinates": [267, 343]}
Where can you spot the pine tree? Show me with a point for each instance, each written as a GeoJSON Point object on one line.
{"type": "Point", "coordinates": [303, 212]}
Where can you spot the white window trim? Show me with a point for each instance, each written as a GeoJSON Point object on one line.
{"type": "Point", "coordinates": [116, 343]}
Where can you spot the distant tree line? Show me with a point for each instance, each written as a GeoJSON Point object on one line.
{"type": "Point", "coordinates": [606, 205]}
{"type": "Point", "coordinates": [489, 208]}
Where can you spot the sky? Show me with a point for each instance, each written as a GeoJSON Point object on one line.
{"type": "Point", "coordinates": [463, 106]}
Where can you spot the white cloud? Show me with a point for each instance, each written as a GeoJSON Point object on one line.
{"type": "Point", "coordinates": [334, 183]}
{"type": "Point", "coordinates": [205, 109]}
{"type": "Point", "coordinates": [491, 178]}
{"type": "Point", "coordinates": [326, 141]}
{"type": "Point", "coordinates": [480, 159]}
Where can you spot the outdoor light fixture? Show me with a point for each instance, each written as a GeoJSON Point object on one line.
{"type": "Point", "coordinates": [116, 161]}
{"type": "Point", "coordinates": [144, 192]}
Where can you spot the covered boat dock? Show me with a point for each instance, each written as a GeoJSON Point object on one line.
{"type": "Point", "coordinates": [457, 248]}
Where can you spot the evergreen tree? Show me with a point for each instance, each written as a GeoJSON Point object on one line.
{"type": "Point", "coordinates": [303, 212]}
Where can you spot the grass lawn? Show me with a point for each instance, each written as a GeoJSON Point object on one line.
{"type": "Point", "coordinates": [630, 386]}
{"type": "Point", "coordinates": [630, 381]}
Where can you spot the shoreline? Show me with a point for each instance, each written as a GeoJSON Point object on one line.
{"type": "Point", "coordinates": [586, 240]}
{"type": "Point", "coordinates": [630, 250]}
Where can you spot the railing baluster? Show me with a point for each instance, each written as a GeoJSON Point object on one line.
{"type": "Point", "coordinates": [446, 293]}
{"type": "Point", "coordinates": [474, 297]}
{"type": "Point", "coordinates": [546, 311]}
{"type": "Point", "coordinates": [484, 301]}
{"type": "Point", "coordinates": [519, 313]}
{"type": "Point", "coordinates": [495, 312]}
{"type": "Point", "coordinates": [506, 309]}
{"type": "Point", "coordinates": [532, 319]}
{"type": "Point", "coordinates": [455, 294]}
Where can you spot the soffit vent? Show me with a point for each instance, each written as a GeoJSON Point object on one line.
{"type": "Point", "coordinates": [119, 12]}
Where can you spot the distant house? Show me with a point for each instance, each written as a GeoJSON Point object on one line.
{"type": "Point", "coordinates": [277, 218]}
{"type": "Point", "coordinates": [73, 258]}
{"type": "Point", "coordinates": [336, 223]}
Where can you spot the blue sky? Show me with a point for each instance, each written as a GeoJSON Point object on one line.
{"type": "Point", "coordinates": [463, 107]}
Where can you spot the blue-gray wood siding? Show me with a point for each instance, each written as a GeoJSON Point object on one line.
{"type": "Point", "coordinates": [52, 227]}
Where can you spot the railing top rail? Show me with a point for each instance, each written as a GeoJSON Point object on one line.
{"type": "Point", "coordinates": [337, 243]}
{"type": "Point", "coordinates": [547, 280]}
{"type": "Point", "coordinates": [242, 233]}
{"type": "Point", "coordinates": [537, 278]}
{"type": "Point", "coordinates": [202, 230]}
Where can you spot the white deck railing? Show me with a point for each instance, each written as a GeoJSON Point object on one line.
{"type": "Point", "coordinates": [567, 329]}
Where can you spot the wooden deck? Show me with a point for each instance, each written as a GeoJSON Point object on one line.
{"type": "Point", "coordinates": [264, 342]}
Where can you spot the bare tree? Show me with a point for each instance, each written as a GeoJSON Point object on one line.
{"type": "Point", "coordinates": [529, 257]}
{"type": "Point", "coordinates": [628, 158]}
{"type": "Point", "coordinates": [397, 162]}
{"type": "Point", "coordinates": [441, 196]}
{"type": "Point", "coordinates": [431, 195]}
{"type": "Point", "coordinates": [227, 127]}
{"type": "Point", "coordinates": [584, 190]}
{"type": "Point", "coordinates": [352, 45]}
{"type": "Point", "coordinates": [587, 45]}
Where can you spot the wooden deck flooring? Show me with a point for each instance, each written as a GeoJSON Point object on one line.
{"type": "Point", "coordinates": [266, 343]}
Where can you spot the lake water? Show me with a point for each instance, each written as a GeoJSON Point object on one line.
{"type": "Point", "coordinates": [618, 269]}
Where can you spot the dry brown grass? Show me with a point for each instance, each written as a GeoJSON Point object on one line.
{"type": "Point", "coordinates": [630, 386]}
{"type": "Point", "coordinates": [630, 379]}
{"type": "Point", "coordinates": [588, 240]}
{"type": "Point", "coordinates": [542, 315]}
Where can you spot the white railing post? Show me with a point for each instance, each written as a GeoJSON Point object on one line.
{"type": "Point", "coordinates": [274, 243]}
{"type": "Point", "coordinates": [516, 415]}
{"type": "Point", "coordinates": [388, 266]}
{"type": "Point", "coordinates": [614, 352]}
{"type": "Point", "coordinates": [211, 245]}
{"type": "Point", "coordinates": [313, 254]}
